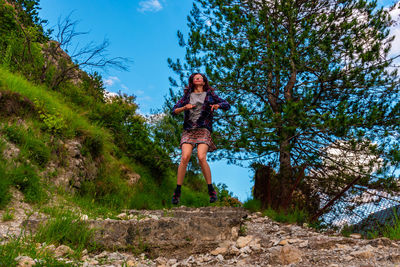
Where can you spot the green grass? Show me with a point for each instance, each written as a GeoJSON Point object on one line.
{"type": "Point", "coordinates": [391, 231]}
{"type": "Point", "coordinates": [25, 178]}
{"type": "Point", "coordinates": [291, 216]}
{"type": "Point", "coordinates": [24, 245]}
{"type": "Point", "coordinates": [252, 205]}
{"type": "Point", "coordinates": [32, 147]}
{"type": "Point", "coordinates": [66, 228]}
{"type": "Point", "coordinates": [52, 104]}
{"type": "Point", "coordinates": [5, 184]}
{"type": "Point", "coordinates": [7, 215]}
{"type": "Point", "coordinates": [106, 194]}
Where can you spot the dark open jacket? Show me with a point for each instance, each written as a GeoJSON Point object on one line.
{"type": "Point", "coordinates": [206, 116]}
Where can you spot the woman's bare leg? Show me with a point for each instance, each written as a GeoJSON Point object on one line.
{"type": "Point", "coordinates": [186, 153]}
{"type": "Point", "coordinates": [202, 150]}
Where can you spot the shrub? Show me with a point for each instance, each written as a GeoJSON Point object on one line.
{"type": "Point", "coordinates": [225, 198]}
{"type": "Point", "coordinates": [53, 121]}
{"type": "Point", "coordinates": [252, 205]}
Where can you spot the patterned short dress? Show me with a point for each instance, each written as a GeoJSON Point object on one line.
{"type": "Point", "coordinates": [198, 136]}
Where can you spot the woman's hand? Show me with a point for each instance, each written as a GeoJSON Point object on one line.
{"type": "Point", "coordinates": [214, 107]}
{"type": "Point", "coordinates": [189, 106]}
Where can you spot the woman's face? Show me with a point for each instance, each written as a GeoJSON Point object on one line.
{"type": "Point", "coordinates": [198, 80]}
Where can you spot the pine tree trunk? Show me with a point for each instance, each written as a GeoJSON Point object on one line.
{"type": "Point", "coordinates": [285, 175]}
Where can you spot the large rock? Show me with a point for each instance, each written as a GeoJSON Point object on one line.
{"type": "Point", "coordinates": [195, 230]}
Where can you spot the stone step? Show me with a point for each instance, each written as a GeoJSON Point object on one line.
{"type": "Point", "coordinates": [178, 231]}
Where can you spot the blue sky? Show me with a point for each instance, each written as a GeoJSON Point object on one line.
{"type": "Point", "coordinates": [144, 31]}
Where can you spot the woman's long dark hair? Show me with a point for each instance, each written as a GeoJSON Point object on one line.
{"type": "Point", "coordinates": [190, 87]}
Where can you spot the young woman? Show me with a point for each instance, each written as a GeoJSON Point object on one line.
{"type": "Point", "coordinates": [198, 104]}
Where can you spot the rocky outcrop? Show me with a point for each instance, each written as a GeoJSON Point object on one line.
{"type": "Point", "coordinates": [216, 236]}
{"type": "Point", "coordinates": [179, 232]}
{"type": "Point", "coordinates": [72, 167]}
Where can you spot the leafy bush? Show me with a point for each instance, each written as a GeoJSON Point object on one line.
{"type": "Point", "coordinates": [252, 205]}
{"type": "Point", "coordinates": [225, 198]}
{"type": "Point", "coordinates": [53, 121]}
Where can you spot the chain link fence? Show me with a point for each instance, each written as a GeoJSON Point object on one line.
{"type": "Point", "coordinates": [361, 208]}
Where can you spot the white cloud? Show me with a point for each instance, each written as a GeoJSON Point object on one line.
{"type": "Point", "coordinates": [139, 92]}
{"type": "Point", "coordinates": [110, 80]}
{"type": "Point", "coordinates": [150, 5]}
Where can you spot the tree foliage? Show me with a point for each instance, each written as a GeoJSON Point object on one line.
{"type": "Point", "coordinates": [302, 76]}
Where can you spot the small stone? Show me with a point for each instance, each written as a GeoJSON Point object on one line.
{"type": "Point", "coordinates": [122, 216]}
{"type": "Point", "coordinates": [161, 260]}
{"type": "Point", "coordinates": [243, 241]}
{"type": "Point", "coordinates": [84, 217]}
{"type": "Point", "coordinates": [363, 254]}
{"type": "Point", "coordinates": [341, 246]}
{"type": "Point", "coordinates": [24, 261]}
{"type": "Point", "coordinates": [101, 255]}
{"type": "Point", "coordinates": [245, 250]}
{"type": "Point", "coordinates": [285, 255]}
{"type": "Point", "coordinates": [63, 250]}
{"type": "Point", "coordinates": [171, 262]}
{"type": "Point", "coordinates": [275, 242]}
{"type": "Point", "coordinates": [219, 250]}
{"type": "Point", "coordinates": [303, 244]}
{"type": "Point", "coordinates": [84, 252]}
{"type": "Point", "coordinates": [130, 263]}
{"type": "Point", "coordinates": [235, 232]}
{"type": "Point", "coordinates": [50, 249]}
{"type": "Point", "coordinates": [93, 262]}
{"type": "Point", "coordinates": [283, 242]}
{"type": "Point", "coordinates": [348, 258]}
{"type": "Point", "coordinates": [356, 236]}
{"type": "Point", "coordinates": [220, 257]}
{"type": "Point", "coordinates": [333, 265]}
{"type": "Point", "coordinates": [234, 250]}
{"type": "Point", "coordinates": [115, 256]}
{"type": "Point", "coordinates": [256, 247]}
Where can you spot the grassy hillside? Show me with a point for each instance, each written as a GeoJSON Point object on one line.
{"type": "Point", "coordinates": [37, 120]}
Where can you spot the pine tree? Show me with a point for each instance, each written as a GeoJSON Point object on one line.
{"type": "Point", "coordinates": [303, 77]}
